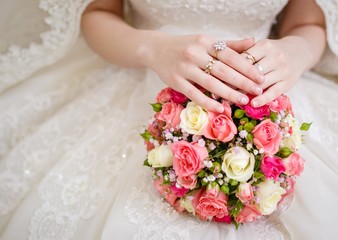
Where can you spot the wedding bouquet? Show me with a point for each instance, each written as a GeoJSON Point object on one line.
{"type": "Point", "coordinates": [230, 167]}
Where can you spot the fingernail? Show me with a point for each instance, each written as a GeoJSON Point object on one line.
{"type": "Point", "coordinates": [254, 103]}
{"type": "Point", "coordinates": [243, 100]}
{"type": "Point", "coordinates": [219, 108]}
{"type": "Point", "coordinates": [262, 78]}
{"type": "Point", "coordinates": [257, 90]}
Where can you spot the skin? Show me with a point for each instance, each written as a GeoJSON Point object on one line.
{"type": "Point", "coordinates": [180, 61]}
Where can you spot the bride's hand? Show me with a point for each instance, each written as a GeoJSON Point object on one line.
{"type": "Point", "coordinates": [281, 64]}
{"type": "Point", "coordinates": [181, 62]}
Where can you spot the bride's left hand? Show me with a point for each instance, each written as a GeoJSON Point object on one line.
{"type": "Point", "coordinates": [281, 64]}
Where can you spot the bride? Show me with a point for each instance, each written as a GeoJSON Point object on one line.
{"type": "Point", "coordinates": [70, 152]}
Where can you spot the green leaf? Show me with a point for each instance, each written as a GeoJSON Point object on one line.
{"type": "Point", "coordinates": [146, 135]}
{"type": "Point", "coordinates": [248, 126]}
{"type": "Point", "coordinates": [225, 189]}
{"type": "Point", "coordinates": [219, 154]}
{"type": "Point", "coordinates": [285, 152]}
{"type": "Point", "coordinates": [157, 107]}
{"type": "Point", "coordinates": [233, 182]}
{"type": "Point", "coordinates": [305, 126]}
{"type": "Point", "coordinates": [146, 163]}
{"type": "Point", "coordinates": [201, 174]}
{"type": "Point", "coordinates": [273, 116]}
{"type": "Point", "coordinates": [259, 175]}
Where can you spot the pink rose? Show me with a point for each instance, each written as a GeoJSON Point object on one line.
{"type": "Point", "coordinates": [272, 167]}
{"type": "Point", "coordinates": [164, 95]}
{"type": "Point", "coordinates": [188, 158]}
{"type": "Point", "coordinates": [170, 114]}
{"type": "Point", "coordinates": [280, 104]}
{"type": "Point", "coordinates": [165, 191]}
{"type": "Point", "coordinates": [267, 136]}
{"type": "Point", "coordinates": [294, 164]}
{"type": "Point", "coordinates": [220, 126]}
{"type": "Point", "coordinates": [248, 214]}
{"type": "Point", "coordinates": [208, 206]}
{"type": "Point", "coordinates": [170, 95]}
{"type": "Point", "coordinates": [227, 219]}
{"type": "Point", "coordinates": [255, 113]}
{"type": "Point", "coordinates": [179, 192]}
{"type": "Point", "coordinates": [245, 192]}
{"type": "Point", "coordinates": [188, 182]}
{"type": "Point", "coordinates": [178, 97]}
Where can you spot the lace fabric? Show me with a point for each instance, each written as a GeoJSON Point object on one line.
{"type": "Point", "coordinates": [63, 19]}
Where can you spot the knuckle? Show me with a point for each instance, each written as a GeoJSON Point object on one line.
{"type": "Point", "coordinates": [202, 40]}
{"type": "Point", "coordinates": [189, 53]}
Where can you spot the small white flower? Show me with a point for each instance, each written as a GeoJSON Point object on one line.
{"type": "Point", "coordinates": [243, 134]}
{"type": "Point", "coordinates": [219, 175]}
{"type": "Point", "coordinates": [261, 151]}
{"type": "Point", "coordinates": [255, 152]}
{"type": "Point", "coordinates": [205, 180]}
{"type": "Point", "coordinates": [201, 142]}
{"type": "Point", "coordinates": [211, 178]}
{"type": "Point", "coordinates": [248, 146]}
{"type": "Point", "coordinates": [168, 135]}
{"type": "Point", "coordinates": [220, 181]}
{"type": "Point", "coordinates": [212, 146]}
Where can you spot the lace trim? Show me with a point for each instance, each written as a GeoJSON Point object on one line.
{"type": "Point", "coordinates": [63, 19]}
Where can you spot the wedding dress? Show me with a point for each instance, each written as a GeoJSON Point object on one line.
{"type": "Point", "coordinates": [70, 152]}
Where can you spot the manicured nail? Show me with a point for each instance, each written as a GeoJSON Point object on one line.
{"type": "Point", "coordinates": [262, 78]}
{"type": "Point", "coordinates": [254, 103]}
{"type": "Point", "coordinates": [219, 108]}
{"type": "Point", "coordinates": [243, 100]}
{"type": "Point", "coordinates": [257, 90]}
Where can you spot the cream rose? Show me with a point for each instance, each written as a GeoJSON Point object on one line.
{"type": "Point", "coordinates": [238, 164]}
{"type": "Point", "coordinates": [161, 156]}
{"type": "Point", "coordinates": [295, 140]}
{"type": "Point", "coordinates": [186, 203]}
{"type": "Point", "coordinates": [194, 119]}
{"type": "Point", "coordinates": [269, 193]}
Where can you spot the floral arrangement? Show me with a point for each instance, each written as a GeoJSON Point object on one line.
{"type": "Point", "coordinates": [230, 167]}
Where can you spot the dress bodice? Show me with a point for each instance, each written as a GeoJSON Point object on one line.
{"type": "Point", "coordinates": [231, 19]}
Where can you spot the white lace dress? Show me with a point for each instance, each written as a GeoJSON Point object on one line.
{"type": "Point", "coordinates": [70, 152]}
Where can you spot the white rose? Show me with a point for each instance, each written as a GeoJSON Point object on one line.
{"type": "Point", "coordinates": [269, 193]}
{"type": "Point", "coordinates": [295, 140]}
{"type": "Point", "coordinates": [161, 156]}
{"type": "Point", "coordinates": [186, 203]}
{"type": "Point", "coordinates": [194, 119]}
{"type": "Point", "coordinates": [238, 164]}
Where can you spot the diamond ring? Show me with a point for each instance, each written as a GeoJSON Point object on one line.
{"type": "Point", "coordinates": [219, 46]}
{"type": "Point", "coordinates": [209, 66]}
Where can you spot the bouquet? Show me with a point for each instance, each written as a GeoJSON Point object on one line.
{"type": "Point", "coordinates": [231, 167]}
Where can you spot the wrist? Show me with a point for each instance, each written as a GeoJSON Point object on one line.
{"type": "Point", "coordinates": [149, 47]}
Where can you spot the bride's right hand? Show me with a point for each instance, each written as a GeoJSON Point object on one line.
{"type": "Point", "coordinates": [180, 61]}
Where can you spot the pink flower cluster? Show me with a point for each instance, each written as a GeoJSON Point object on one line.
{"type": "Point", "coordinates": [230, 167]}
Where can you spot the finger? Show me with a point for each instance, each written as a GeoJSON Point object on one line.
{"type": "Point", "coordinates": [195, 95]}
{"type": "Point", "coordinates": [234, 78]}
{"type": "Point", "coordinates": [217, 87]}
{"type": "Point", "coordinates": [241, 45]}
{"type": "Point", "coordinates": [270, 94]}
{"type": "Point", "coordinates": [271, 78]}
{"type": "Point", "coordinates": [237, 62]}
{"type": "Point", "coordinates": [265, 66]}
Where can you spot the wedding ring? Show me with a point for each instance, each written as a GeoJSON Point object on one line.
{"type": "Point", "coordinates": [209, 66]}
{"type": "Point", "coordinates": [250, 57]}
{"type": "Point", "coordinates": [219, 46]}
